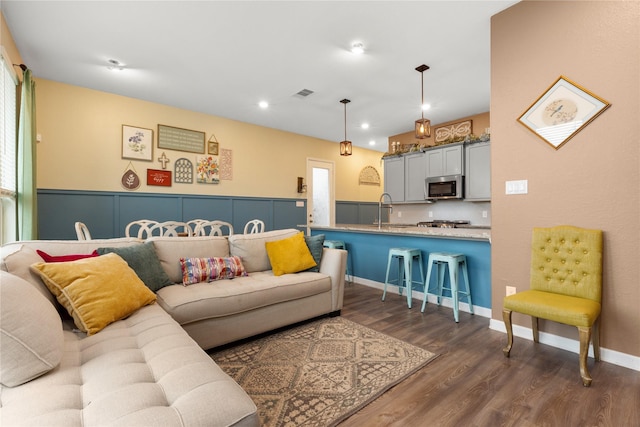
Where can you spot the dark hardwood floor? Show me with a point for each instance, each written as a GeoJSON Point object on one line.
{"type": "Point", "coordinates": [471, 383]}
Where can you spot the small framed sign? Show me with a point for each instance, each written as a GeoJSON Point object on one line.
{"type": "Point", "coordinates": [562, 111]}
{"type": "Point", "coordinates": [159, 177]}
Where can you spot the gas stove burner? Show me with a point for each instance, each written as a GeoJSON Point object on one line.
{"type": "Point", "coordinates": [442, 223]}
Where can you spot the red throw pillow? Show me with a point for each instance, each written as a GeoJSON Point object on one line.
{"type": "Point", "coordinates": [64, 258]}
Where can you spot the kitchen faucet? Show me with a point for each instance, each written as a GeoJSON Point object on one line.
{"type": "Point", "coordinates": [380, 208]}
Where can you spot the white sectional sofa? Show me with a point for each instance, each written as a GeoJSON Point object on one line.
{"type": "Point", "coordinates": [148, 368]}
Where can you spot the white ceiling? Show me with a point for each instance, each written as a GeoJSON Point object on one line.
{"type": "Point", "coordinates": [223, 57]}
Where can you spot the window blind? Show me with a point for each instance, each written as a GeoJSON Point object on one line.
{"type": "Point", "coordinates": [8, 83]}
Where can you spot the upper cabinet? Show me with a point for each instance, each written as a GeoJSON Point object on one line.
{"type": "Point", "coordinates": [445, 160]}
{"type": "Point", "coordinates": [394, 177]}
{"type": "Point", "coordinates": [478, 172]}
{"type": "Point", "coordinates": [414, 174]}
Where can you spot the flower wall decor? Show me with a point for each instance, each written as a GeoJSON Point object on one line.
{"type": "Point", "coordinates": [137, 143]}
{"type": "Point", "coordinates": [207, 170]}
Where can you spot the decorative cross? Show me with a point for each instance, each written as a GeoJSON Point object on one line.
{"type": "Point", "coordinates": [164, 160]}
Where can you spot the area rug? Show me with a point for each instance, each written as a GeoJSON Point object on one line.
{"type": "Point", "coordinates": [319, 373]}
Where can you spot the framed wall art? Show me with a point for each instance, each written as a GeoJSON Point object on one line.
{"type": "Point", "coordinates": [137, 143]}
{"type": "Point", "coordinates": [562, 111]}
{"type": "Point", "coordinates": [172, 138]}
{"type": "Point", "coordinates": [159, 177]}
{"type": "Point", "coordinates": [213, 146]}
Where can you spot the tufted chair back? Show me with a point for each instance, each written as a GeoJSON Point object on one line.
{"type": "Point", "coordinates": [567, 260]}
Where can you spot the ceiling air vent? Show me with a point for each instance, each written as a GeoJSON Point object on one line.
{"type": "Point", "coordinates": [304, 93]}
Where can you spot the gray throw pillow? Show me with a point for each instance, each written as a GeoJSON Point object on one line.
{"type": "Point", "coordinates": [315, 246]}
{"type": "Point", "coordinates": [144, 261]}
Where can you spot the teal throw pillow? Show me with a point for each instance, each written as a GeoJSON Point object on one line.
{"type": "Point", "coordinates": [144, 261]}
{"type": "Point", "coordinates": [315, 246]}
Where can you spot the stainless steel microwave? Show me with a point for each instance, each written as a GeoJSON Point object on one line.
{"type": "Point", "coordinates": [444, 187]}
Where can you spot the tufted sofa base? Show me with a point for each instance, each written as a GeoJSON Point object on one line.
{"type": "Point", "coordinates": [143, 370]}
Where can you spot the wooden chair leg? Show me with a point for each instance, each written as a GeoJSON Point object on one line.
{"type": "Point", "coordinates": [534, 328]}
{"type": "Point", "coordinates": [595, 337]}
{"type": "Point", "coordinates": [585, 338]}
{"type": "Point", "coordinates": [506, 316]}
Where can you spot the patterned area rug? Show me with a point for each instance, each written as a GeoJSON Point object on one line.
{"type": "Point", "coordinates": [319, 373]}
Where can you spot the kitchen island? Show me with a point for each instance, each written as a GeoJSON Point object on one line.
{"type": "Point", "coordinates": [369, 245]}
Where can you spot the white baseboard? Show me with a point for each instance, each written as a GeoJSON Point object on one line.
{"type": "Point", "coordinates": [606, 355]}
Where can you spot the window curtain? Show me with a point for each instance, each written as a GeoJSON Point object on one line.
{"type": "Point", "coordinates": [27, 203]}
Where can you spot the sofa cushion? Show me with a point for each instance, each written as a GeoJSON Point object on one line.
{"type": "Point", "coordinates": [204, 301]}
{"type": "Point", "coordinates": [315, 244]}
{"type": "Point", "coordinates": [171, 249]}
{"type": "Point", "coordinates": [195, 270]}
{"type": "Point", "coordinates": [17, 257]}
{"type": "Point", "coordinates": [95, 291]}
{"type": "Point", "coordinates": [18, 263]}
{"type": "Point", "coordinates": [251, 248]}
{"type": "Point", "coordinates": [31, 341]}
{"type": "Point", "coordinates": [143, 260]}
{"type": "Point", "coordinates": [289, 255]}
{"type": "Point", "coordinates": [140, 371]}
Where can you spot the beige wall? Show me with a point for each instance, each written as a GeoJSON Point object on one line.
{"type": "Point", "coordinates": [479, 123]}
{"type": "Point", "coordinates": [593, 180]}
{"type": "Point", "coordinates": [81, 148]}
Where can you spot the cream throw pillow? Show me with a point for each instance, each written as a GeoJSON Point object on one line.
{"type": "Point", "coordinates": [31, 339]}
{"type": "Point", "coordinates": [95, 291]}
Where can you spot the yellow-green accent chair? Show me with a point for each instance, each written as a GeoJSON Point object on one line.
{"type": "Point", "coordinates": [566, 287]}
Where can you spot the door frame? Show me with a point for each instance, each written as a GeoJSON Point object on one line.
{"type": "Point", "coordinates": [323, 164]}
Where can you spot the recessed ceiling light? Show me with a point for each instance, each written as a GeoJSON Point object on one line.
{"type": "Point", "coordinates": [372, 142]}
{"type": "Point", "coordinates": [263, 104]}
{"type": "Point", "coordinates": [365, 126]}
{"type": "Point", "coordinates": [115, 65]}
{"type": "Point", "coordinates": [357, 48]}
{"type": "Point", "coordinates": [425, 107]}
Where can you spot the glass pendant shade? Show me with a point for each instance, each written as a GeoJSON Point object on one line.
{"type": "Point", "coordinates": [423, 128]}
{"type": "Point", "coordinates": [345, 148]}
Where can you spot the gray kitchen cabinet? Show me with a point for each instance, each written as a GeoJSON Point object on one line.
{"type": "Point", "coordinates": [478, 171]}
{"type": "Point", "coordinates": [394, 178]}
{"type": "Point", "coordinates": [444, 160]}
{"type": "Point", "coordinates": [414, 175]}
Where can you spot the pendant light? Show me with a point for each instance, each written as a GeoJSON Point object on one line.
{"type": "Point", "coordinates": [423, 126]}
{"type": "Point", "coordinates": [345, 146]}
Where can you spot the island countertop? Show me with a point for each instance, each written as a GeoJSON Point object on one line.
{"type": "Point", "coordinates": [473, 233]}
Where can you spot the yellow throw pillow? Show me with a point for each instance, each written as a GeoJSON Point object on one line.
{"type": "Point", "coordinates": [95, 291]}
{"type": "Point", "coordinates": [289, 255]}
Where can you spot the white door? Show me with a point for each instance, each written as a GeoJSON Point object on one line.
{"type": "Point", "coordinates": [320, 193]}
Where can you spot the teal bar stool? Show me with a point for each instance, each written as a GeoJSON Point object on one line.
{"type": "Point", "coordinates": [405, 257]}
{"type": "Point", "coordinates": [455, 262]}
{"type": "Point", "coordinates": [339, 244]}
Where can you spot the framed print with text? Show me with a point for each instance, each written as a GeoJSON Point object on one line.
{"type": "Point", "coordinates": [562, 111]}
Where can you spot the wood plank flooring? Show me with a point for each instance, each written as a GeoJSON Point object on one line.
{"type": "Point", "coordinates": [471, 383]}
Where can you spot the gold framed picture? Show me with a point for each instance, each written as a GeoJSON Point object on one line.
{"type": "Point", "coordinates": [562, 111]}
{"type": "Point", "coordinates": [213, 146]}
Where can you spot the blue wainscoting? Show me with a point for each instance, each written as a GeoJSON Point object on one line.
{"type": "Point", "coordinates": [368, 255]}
{"type": "Point", "coordinates": [106, 214]}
